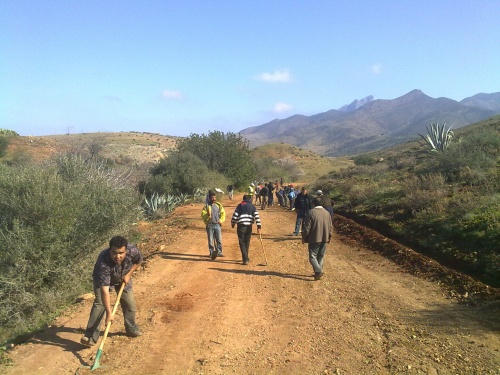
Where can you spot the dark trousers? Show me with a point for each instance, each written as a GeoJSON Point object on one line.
{"type": "Point", "coordinates": [244, 235]}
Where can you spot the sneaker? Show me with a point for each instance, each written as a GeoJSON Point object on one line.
{"type": "Point", "coordinates": [220, 255]}
{"type": "Point", "coordinates": [295, 234]}
{"type": "Point", "coordinates": [245, 262]}
{"type": "Point", "coordinates": [87, 341]}
{"type": "Point", "coordinates": [136, 333]}
{"type": "Point", "coordinates": [213, 256]}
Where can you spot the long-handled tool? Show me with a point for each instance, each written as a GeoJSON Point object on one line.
{"type": "Point", "coordinates": [262, 245]}
{"type": "Point", "coordinates": [97, 360]}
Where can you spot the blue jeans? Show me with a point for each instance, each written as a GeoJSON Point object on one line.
{"type": "Point", "coordinates": [316, 256]}
{"type": "Point", "coordinates": [214, 233]}
{"type": "Point", "coordinates": [301, 214]}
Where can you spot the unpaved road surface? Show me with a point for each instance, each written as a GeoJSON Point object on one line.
{"type": "Point", "coordinates": [367, 315]}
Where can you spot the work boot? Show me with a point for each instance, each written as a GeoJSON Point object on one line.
{"type": "Point", "coordinates": [87, 341]}
{"type": "Point", "coordinates": [135, 333]}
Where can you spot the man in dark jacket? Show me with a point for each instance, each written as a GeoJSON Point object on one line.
{"type": "Point", "coordinates": [317, 232]}
{"type": "Point", "coordinates": [303, 203]}
{"type": "Point", "coordinates": [244, 216]}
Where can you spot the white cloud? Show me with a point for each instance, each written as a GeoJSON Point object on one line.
{"type": "Point", "coordinates": [172, 94]}
{"type": "Point", "coordinates": [377, 69]}
{"type": "Point", "coordinates": [277, 76]}
{"type": "Point", "coordinates": [282, 107]}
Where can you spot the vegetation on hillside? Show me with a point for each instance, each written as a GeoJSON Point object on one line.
{"type": "Point", "coordinates": [54, 218]}
{"type": "Point", "coordinates": [446, 204]}
{"type": "Point", "coordinates": [56, 215]}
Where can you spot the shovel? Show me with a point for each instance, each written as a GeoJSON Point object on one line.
{"type": "Point", "coordinates": [262, 245]}
{"type": "Point", "coordinates": [97, 359]}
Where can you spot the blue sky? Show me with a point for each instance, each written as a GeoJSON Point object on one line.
{"type": "Point", "coordinates": [182, 67]}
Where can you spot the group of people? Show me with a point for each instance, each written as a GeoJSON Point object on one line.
{"type": "Point", "coordinates": [116, 264]}
{"type": "Point", "coordinates": [313, 222]}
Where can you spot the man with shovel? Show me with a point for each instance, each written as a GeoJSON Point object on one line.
{"type": "Point", "coordinates": [244, 216]}
{"type": "Point", "coordinates": [114, 266]}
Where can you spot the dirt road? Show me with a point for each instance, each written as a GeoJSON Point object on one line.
{"type": "Point", "coordinates": [365, 316]}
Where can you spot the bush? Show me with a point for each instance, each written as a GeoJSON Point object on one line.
{"type": "Point", "coordinates": [4, 144]}
{"type": "Point", "coordinates": [183, 173]}
{"type": "Point", "coordinates": [477, 152]}
{"type": "Point", "coordinates": [227, 154]}
{"type": "Point", "coordinates": [364, 160]}
{"type": "Point", "coordinates": [53, 219]}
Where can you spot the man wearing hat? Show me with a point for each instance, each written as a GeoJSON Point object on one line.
{"type": "Point", "coordinates": [326, 202]}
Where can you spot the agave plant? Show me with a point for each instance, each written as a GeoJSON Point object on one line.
{"type": "Point", "coordinates": [154, 205]}
{"type": "Point", "coordinates": [438, 138]}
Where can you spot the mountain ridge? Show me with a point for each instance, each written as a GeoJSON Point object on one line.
{"type": "Point", "coordinates": [374, 124]}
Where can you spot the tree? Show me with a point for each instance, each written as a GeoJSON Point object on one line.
{"type": "Point", "coordinates": [182, 173]}
{"type": "Point", "coordinates": [227, 154]}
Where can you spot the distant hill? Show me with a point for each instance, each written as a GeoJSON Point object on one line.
{"type": "Point", "coordinates": [136, 148]}
{"type": "Point", "coordinates": [369, 125]}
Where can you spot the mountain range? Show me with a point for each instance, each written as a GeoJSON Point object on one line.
{"type": "Point", "coordinates": [368, 124]}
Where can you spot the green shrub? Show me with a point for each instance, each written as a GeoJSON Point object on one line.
{"type": "Point", "coordinates": [183, 173]}
{"type": "Point", "coordinates": [4, 144]}
{"type": "Point", "coordinates": [225, 153]}
{"type": "Point", "coordinates": [477, 152]}
{"type": "Point", "coordinates": [364, 160]}
{"type": "Point", "coordinates": [53, 219]}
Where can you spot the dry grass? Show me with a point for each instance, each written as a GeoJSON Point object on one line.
{"type": "Point", "coordinates": [312, 164]}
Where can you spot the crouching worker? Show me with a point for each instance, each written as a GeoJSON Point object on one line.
{"type": "Point", "coordinates": [114, 265]}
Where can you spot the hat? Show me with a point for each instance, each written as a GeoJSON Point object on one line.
{"type": "Point", "coordinates": [319, 192]}
{"type": "Point", "coordinates": [252, 184]}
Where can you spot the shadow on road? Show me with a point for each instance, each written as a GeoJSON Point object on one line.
{"type": "Point", "coordinates": [266, 273]}
{"type": "Point", "coordinates": [52, 336]}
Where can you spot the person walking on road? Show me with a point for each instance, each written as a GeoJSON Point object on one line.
{"type": "Point", "coordinates": [251, 190]}
{"type": "Point", "coordinates": [244, 216]}
{"type": "Point", "coordinates": [230, 191]}
{"type": "Point", "coordinates": [317, 233]}
{"type": "Point", "coordinates": [326, 202]}
{"type": "Point", "coordinates": [263, 194]}
{"type": "Point", "coordinates": [213, 215]}
{"type": "Point", "coordinates": [113, 267]}
{"type": "Point", "coordinates": [303, 203]}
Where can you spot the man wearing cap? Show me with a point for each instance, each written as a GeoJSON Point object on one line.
{"type": "Point", "coordinates": [317, 232]}
{"type": "Point", "coordinates": [326, 202]}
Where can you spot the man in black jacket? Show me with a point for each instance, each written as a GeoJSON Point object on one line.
{"type": "Point", "coordinates": [244, 216]}
{"type": "Point", "coordinates": [303, 203]}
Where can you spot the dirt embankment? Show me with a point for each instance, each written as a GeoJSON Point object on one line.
{"type": "Point", "coordinates": [367, 315]}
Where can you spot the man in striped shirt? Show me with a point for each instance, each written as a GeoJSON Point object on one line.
{"type": "Point", "coordinates": [244, 216]}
